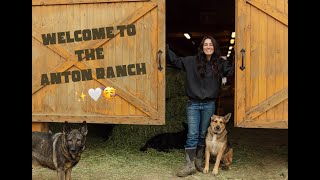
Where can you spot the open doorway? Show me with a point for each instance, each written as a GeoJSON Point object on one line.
{"type": "Point", "coordinates": [200, 18]}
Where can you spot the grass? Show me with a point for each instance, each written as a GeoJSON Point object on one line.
{"type": "Point", "coordinates": [259, 154]}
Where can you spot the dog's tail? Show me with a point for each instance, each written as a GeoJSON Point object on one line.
{"type": "Point", "coordinates": [144, 148]}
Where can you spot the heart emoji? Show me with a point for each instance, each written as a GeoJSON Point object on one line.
{"type": "Point", "coordinates": [95, 93]}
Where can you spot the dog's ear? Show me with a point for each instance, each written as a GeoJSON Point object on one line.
{"type": "Point", "coordinates": [213, 117]}
{"type": "Point", "coordinates": [84, 128]}
{"type": "Point", "coordinates": [227, 117]}
{"type": "Point", "coordinates": [66, 128]}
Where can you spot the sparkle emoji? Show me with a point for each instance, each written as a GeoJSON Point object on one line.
{"type": "Point", "coordinates": [82, 96]}
{"type": "Point", "coordinates": [109, 93]}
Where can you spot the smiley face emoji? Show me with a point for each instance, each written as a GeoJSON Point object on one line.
{"type": "Point", "coordinates": [109, 93]}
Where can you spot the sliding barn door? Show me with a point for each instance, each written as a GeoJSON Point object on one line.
{"type": "Point", "coordinates": [99, 61]}
{"type": "Point", "coordinates": [261, 83]}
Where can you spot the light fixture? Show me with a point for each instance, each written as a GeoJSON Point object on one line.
{"type": "Point", "coordinates": [231, 41]}
{"type": "Point", "coordinates": [228, 55]}
{"type": "Point", "coordinates": [233, 34]}
{"type": "Point", "coordinates": [229, 52]}
{"type": "Point", "coordinates": [230, 47]}
{"type": "Point", "coordinates": [187, 35]}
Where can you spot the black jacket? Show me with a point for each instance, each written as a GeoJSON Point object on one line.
{"type": "Point", "coordinates": [197, 88]}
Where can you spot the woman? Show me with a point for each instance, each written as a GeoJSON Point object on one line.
{"type": "Point", "coordinates": [204, 72]}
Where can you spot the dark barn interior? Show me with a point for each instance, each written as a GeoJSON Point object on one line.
{"type": "Point", "coordinates": [199, 18]}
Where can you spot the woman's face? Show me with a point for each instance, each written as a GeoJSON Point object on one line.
{"type": "Point", "coordinates": [208, 48]}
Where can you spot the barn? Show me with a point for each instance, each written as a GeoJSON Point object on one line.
{"type": "Point", "coordinates": [74, 42]}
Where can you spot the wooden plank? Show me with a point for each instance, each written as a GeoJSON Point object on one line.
{"type": "Point", "coordinates": [279, 124]}
{"type": "Point", "coordinates": [286, 7]}
{"type": "Point", "coordinates": [82, 106]}
{"type": "Point", "coordinates": [242, 27]}
{"type": "Point", "coordinates": [146, 56]}
{"type": "Point", "coordinates": [281, 5]}
{"type": "Point", "coordinates": [93, 21]}
{"type": "Point", "coordinates": [60, 103]}
{"type": "Point", "coordinates": [70, 98]}
{"type": "Point", "coordinates": [97, 119]}
{"type": "Point", "coordinates": [119, 56]}
{"type": "Point", "coordinates": [263, 58]}
{"type": "Point", "coordinates": [279, 84]}
{"type": "Point", "coordinates": [139, 54]}
{"type": "Point", "coordinates": [255, 58]}
{"type": "Point", "coordinates": [90, 105]}
{"type": "Point", "coordinates": [274, 12]}
{"type": "Point", "coordinates": [36, 59]}
{"type": "Point", "coordinates": [247, 60]}
{"type": "Point", "coordinates": [40, 127]}
{"type": "Point", "coordinates": [267, 104]}
{"type": "Point", "coordinates": [126, 59]}
{"type": "Point", "coordinates": [107, 16]}
{"type": "Point", "coordinates": [132, 54]}
{"type": "Point", "coordinates": [37, 103]}
{"type": "Point", "coordinates": [38, 100]}
{"type": "Point", "coordinates": [271, 62]}
{"type": "Point", "coordinates": [153, 58]}
{"type": "Point", "coordinates": [161, 74]}
{"type": "Point", "coordinates": [70, 2]}
{"type": "Point", "coordinates": [285, 69]}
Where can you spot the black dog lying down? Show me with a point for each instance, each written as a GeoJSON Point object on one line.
{"type": "Point", "coordinates": [166, 141]}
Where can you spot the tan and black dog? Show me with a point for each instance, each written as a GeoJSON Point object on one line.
{"type": "Point", "coordinates": [59, 151]}
{"type": "Point", "coordinates": [217, 144]}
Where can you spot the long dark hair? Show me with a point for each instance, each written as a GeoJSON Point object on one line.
{"type": "Point", "coordinates": [215, 58]}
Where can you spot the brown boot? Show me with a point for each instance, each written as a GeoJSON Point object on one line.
{"type": "Point", "coordinates": [189, 168]}
{"type": "Point", "coordinates": [200, 157]}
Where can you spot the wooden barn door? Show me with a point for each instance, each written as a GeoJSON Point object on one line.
{"type": "Point", "coordinates": [261, 50]}
{"type": "Point", "coordinates": [129, 44]}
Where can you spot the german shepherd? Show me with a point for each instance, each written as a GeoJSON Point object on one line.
{"type": "Point", "coordinates": [166, 141]}
{"type": "Point", "coordinates": [59, 151]}
{"type": "Point", "coordinates": [217, 144]}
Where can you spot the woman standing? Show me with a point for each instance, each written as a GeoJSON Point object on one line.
{"type": "Point", "coordinates": [204, 72]}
